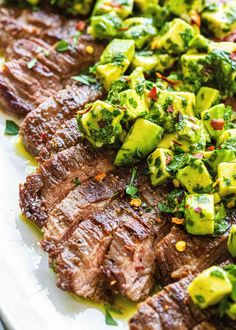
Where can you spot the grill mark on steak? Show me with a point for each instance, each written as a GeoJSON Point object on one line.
{"type": "Point", "coordinates": [90, 196]}
{"type": "Point", "coordinates": [65, 137]}
{"type": "Point", "coordinates": [54, 179]}
{"type": "Point", "coordinates": [79, 265]}
{"type": "Point", "coordinates": [200, 253]}
{"type": "Point", "coordinates": [40, 125]}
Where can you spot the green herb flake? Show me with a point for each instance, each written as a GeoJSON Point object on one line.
{"type": "Point", "coordinates": [84, 79]}
{"type": "Point", "coordinates": [76, 181]}
{"type": "Point", "coordinates": [200, 299]}
{"type": "Point", "coordinates": [11, 128]}
{"type": "Point", "coordinates": [62, 46]}
{"type": "Point", "coordinates": [130, 188]}
{"type": "Point", "coordinates": [108, 318]}
{"type": "Point", "coordinates": [32, 63]}
{"type": "Point", "coordinates": [217, 273]}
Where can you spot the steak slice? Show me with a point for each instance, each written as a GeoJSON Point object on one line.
{"type": "Point", "coordinates": [23, 89]}
{"type": "Point", "coordinates": [90, 196]}
{"type": "Point", "coordinates": [40, 125]}
{"type": "Point", "coordinates": [65, 137]}
{"type": "Point", "coordinates": [79, 265]}
{"type": "Point", "coordinates": [54, 179]}
{"type": "Point", "coordinates": [200, 253]}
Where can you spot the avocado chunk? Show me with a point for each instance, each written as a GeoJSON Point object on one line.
{"type": "Point", "coordinates": [231, 244]}
{"type": "Point", "coordinates": [157, 163]}
{"type": "Point", "coordinates": [134, 104]}
{"type": "Point", "coordinates": [199, 43]}
{"type": "Point", "coordinates": [137, 80]}
{"type": "Point", "coordinates": [115, 60]}
{"type": "Point", "coordinates": [101, 124]}
{"type": "Point", "coordinates": [183, 8]}
{"type": "Point", "coordinates": [189, 128]}
{"type": "Point", "coordinates": [227, 178]}
{"type": "Point", "coordinates": [143, 5]}
{"type": "Point", "coordinates": [217, 119]}
{"type": "Point", "coordinates": [174, 37]}
{"type": "Point", "coordinates": [231, 311]}
{"type": "Point", "coordinates": [141, 140]}
{"type": "Point", "coordinates": [200, 214]}
{"type": "Point", "coordinates": [139, 29]}
{"type": "Point", "coordinates": [228, 134]}
{"type": "Point", "coordinates": [195, 177]}
{"type": "Point", "coordinates": [220, 156]}
{"type": "Point", "coordinates": [221, 21]}
{"type": "Point", "coordinates": [206, 98]}
{"type": "Point", "coordinates": [209, 287]}
{"type": "Point", "coordinates": [121, 7]}
{"type": "Point", "coordinates": [172, 141]}
{"type": "Point", "coordinates": [150, 61]}
{"type": "Point", "coordinates": [105, 26]}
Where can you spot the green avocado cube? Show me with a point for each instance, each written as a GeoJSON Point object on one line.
{"type": "Point", "coordinates": [101, 124]}
{"type": "Point", "coordinates": [134, 104]}
{"type": "Point", "coordinates": [206, 98]}
{"type": "Point", "coordinates": [171, 141]}
{"type": "Point", "coordinates": [209, 287]}
{"type": "Point", "coordinates": [195, 177]}
{"type": "Point", "coordinates": [200, 214]}
{"type": "Point", "coordinates": [217, 119]}
{"type": "Point", "coordinates": [226, 46]}
{"type": "Point", "coordinates": [115, 60]}
{"type": "Point", "coordinates": [141, 140]}
{"type": "Point", "coordinates": [227, 135]}
{"type": "Point", "coordinates": [144, 4]}
{"type": "Point", "coordinates": [189, 128]}
{"type": "Point", "coordinates": [221, 21]}
{"type": "Point", "coordinates": [174, 37]}
{"type": "Point", "coordinates": [105, 26]}
{"type": "Point", "coordinates": [139, 29]}
{"type": "Point", "coordinates": [227, 176]}
{"type": "Point", "coordinates": [150, 61]}
{"type": "Point", "coordinates": [231, 244]}
{"type": "Point", "coordinates": [123, 8]}
{"type": "Point", "coordinates": [137, 80]}
{"type": "Point", "coordinates": [219, 156]}
{"type": "Point", "coordinates": [231, 311]}
{"type": "Point", "coordinates": [157, 163]}
{"type": "Point", "coordinates": [184, 7]}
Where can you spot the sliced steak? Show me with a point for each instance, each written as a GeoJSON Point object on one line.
{"type": "Point", "coordinates": [54, 179]}
{"type": "Point", "coordinates": [79, 265]}
{"type": "Point", "coordinates": [89, 196]}
{"type": "Point", "coordinates": [40, 125]}
{"type": "Point", "coordinates": [200, 253]}
{"type": "Point", "coordinates": [65, 137]}
{"type": "Point", "coordinates": [23, 89]}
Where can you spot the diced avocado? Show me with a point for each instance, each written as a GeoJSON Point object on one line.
{"type": "Point", "coordinates": [231, 244]}
{"type": "Point", "coordinates": [137, 80]}
{"type": "Point", "coordinates": [231, 311]}
{"type": "Point", "coordinates": [217, 198]}
{"type": "Point", "coordinates": [200, 214]}
{"type": "Point", "coordinates": [157, 163]}
{"type": "Point", "coordinates": [195, 177]}
{"type": "Point", "coordinates": [189, 128]}
{"type": "Point", "coordinates": [221, 21]}
{"type": "Point", "coordinates": [184, 7]}
{"type": "Point", "coordinates": [226, 46]}
{"type": "Point", "coordinates": [101, 124]}
{"type": "Point", "coordinates": [216, 119]}
{"type": "Point", "coordinates": [209, 287]}
{"type": "Point", "coordinates": [114, 61]}
{"type": "Point", "coordinates": [227, 176]}
{"type": "Point", "coordinates": [141, 140]}
{"type": "Point", "coordinates": [135, 105]}
{"type": "Point", "coordinates": [105, 26]}
{"type": "Point", "coordinates": [200, 43]}
{"type": "Point", "coordinates": [171, 141]}
{"type": "Point", "coordinates": [188, 103]}
{"type": "Point", "coordinates": [123, 8]}
{"type": "Point", "coordinates": [206, 98]}
{"type": "Point", "coordinates": [144, 4]}
{"type": "Point", "coordinates": [139, 29]}
{"type": "Point", "coordinates": [174, 37]}
{"type": "Point", "coordinates": [220, 155]}
{"type": "Point", "coordinates": [149, 61]}
{"type": "Point", "coordinates": [226, 135]}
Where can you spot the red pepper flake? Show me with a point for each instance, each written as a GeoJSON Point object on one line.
{"type": "Point", "coordinates": [123, 29]}
{"type": "Point", "coordinates": [211, 148]}
{"type": "Point", "coordinates": [153, 94]}
{"type": "Point", "coordinates": [170, 108]}
{"type": "Point", "coordinates": [217, 124]}
{"type": "Point", "coordinates": [44, 136]}
{"type": "Point", "coordinates": [172, 82]}
{"type": "Point", "coordinates": [168, 159]}
{"type": "Point", "coordinates": [198, 209]}
{"type": "Point", "coordinates": [177, 221]}
{"type": "Point", "coordinates": [100, 177]}
{"type": "Point", "coordinates": [187, 206]}
{"type": "Point", "coordinates": [80, 26]}
{"type": "Point", "coordinates": [199, 155]}
{"type": "Point", "coordinates": [196, 19]}
{"type": "Point", "coordinates": [233, 56]}
{"type": "Point", "coordinates": [176, 143]}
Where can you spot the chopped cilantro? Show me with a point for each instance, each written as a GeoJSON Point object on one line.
{"type": "Point", "coordinates": [11, 128]}
{"type": "Point", "coordinates": [130, 188]}
{"type": "Point", "coordinates": [62, 46]}
{"type": "Point", "coordinates": [108, 318]}
{"type": "Point", "coordinates": [85, 79]}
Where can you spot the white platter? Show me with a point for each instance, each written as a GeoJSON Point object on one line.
{"type": "Point", "coordinates": [29, 298]}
